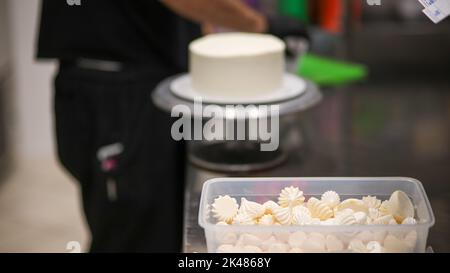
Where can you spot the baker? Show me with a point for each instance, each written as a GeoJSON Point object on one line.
{"type": "Point", "coordinates": [110, 137]}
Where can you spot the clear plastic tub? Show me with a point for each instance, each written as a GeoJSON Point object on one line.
{"type": "Point", "coordinates": [392, 238]}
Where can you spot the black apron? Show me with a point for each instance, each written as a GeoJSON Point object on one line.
{"type": "Point", "coordinates": [132, 197]}
{"type": "Point", "coordinates": [109, 135]}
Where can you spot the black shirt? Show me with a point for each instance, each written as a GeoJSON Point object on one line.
{"type": "Point", "coordinates": [129, 31]}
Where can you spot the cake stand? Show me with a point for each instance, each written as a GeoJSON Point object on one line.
{"type": "Point", "coordinates": [239, 156]}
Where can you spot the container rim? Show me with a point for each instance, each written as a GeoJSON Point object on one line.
{"type": "Point", "coordinates": [201, 221]}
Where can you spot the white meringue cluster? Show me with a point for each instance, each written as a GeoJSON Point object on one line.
{"type": "Point", "coordinates": [293, 210]}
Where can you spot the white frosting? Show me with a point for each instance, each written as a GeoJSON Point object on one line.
{"type": "Point", "coordinates": [237, 64]}
{"type": "Point", "coordinates": [252, 209]}
{"type": "Point", "coordinates": [319, 209]}
{"type": "Point", "coordinates": [225, 208]}
{"type": "Point", "coordinates": [226, 45]}
{"type": "Point", "coordinates": [400, 206]}
{"type": "Point", "coordinates": [331, 198]}
{"type": "Point", "coordinates": [291, 197]}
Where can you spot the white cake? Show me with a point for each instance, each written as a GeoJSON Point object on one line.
{"type": "Point", "coordinates": [237, 65]}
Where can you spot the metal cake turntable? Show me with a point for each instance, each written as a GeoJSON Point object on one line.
{"type": "Point", "coordinates": [245, 155]}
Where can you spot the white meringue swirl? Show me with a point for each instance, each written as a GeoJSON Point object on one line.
{"type": "Point", "coordinates": [284, 215]}
{"type": "Point", "coordinates": [384, 208]}
{"type": "Point", "coordinates": [383, 220]}
{"type": "Point", "coordinates": [371, 202]}
{"type": "Point", "coordinates": [252, 209]}
{"type": "Point", "coordinates": [301, 215]}
{"type": "Point", "coordinates": [331, 198]}
{"type": "Point", "coordinates": [270, 206]}
{"type": "Point", "coordinates": [346, 220]}
{"type": "Point", "coordinates": [319, 209]}
{"type": "Point", "coordinates": [243, 220]}
{"type": "Point", "coordinates": [291, 197]}
{"type": "Point", "coordinates": [224, 208]}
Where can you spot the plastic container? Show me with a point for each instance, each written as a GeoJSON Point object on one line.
{"type": "Point", "coordinates": [392, 238]}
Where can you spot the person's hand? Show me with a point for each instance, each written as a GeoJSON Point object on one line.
{"type": "Point", "coordinates": [207, 28]}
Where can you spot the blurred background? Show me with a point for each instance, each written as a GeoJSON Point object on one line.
{"type": "Point", "coordinates": [398, 107]}
{"type": "Point", "coordinates": [39, 206]}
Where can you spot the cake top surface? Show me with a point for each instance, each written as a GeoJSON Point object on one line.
{"type": "Point", "coordinates": [236, 45]}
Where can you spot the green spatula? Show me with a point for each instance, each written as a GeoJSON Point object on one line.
{"type": "Point", "coordinates": [328, 72]}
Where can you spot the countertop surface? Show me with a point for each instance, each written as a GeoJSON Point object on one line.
{"type": "Point", "coordinates": [369, 129]}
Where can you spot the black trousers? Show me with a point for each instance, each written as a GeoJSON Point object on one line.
{"type": "Point", "coordinates": [132, 196]}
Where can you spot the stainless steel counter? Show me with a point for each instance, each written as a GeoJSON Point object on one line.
{"type": "Point", "coordinates": [372, 129]}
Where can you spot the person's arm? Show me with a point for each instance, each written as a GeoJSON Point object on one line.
{"type": "Point", "coordinates": [232, 14]}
